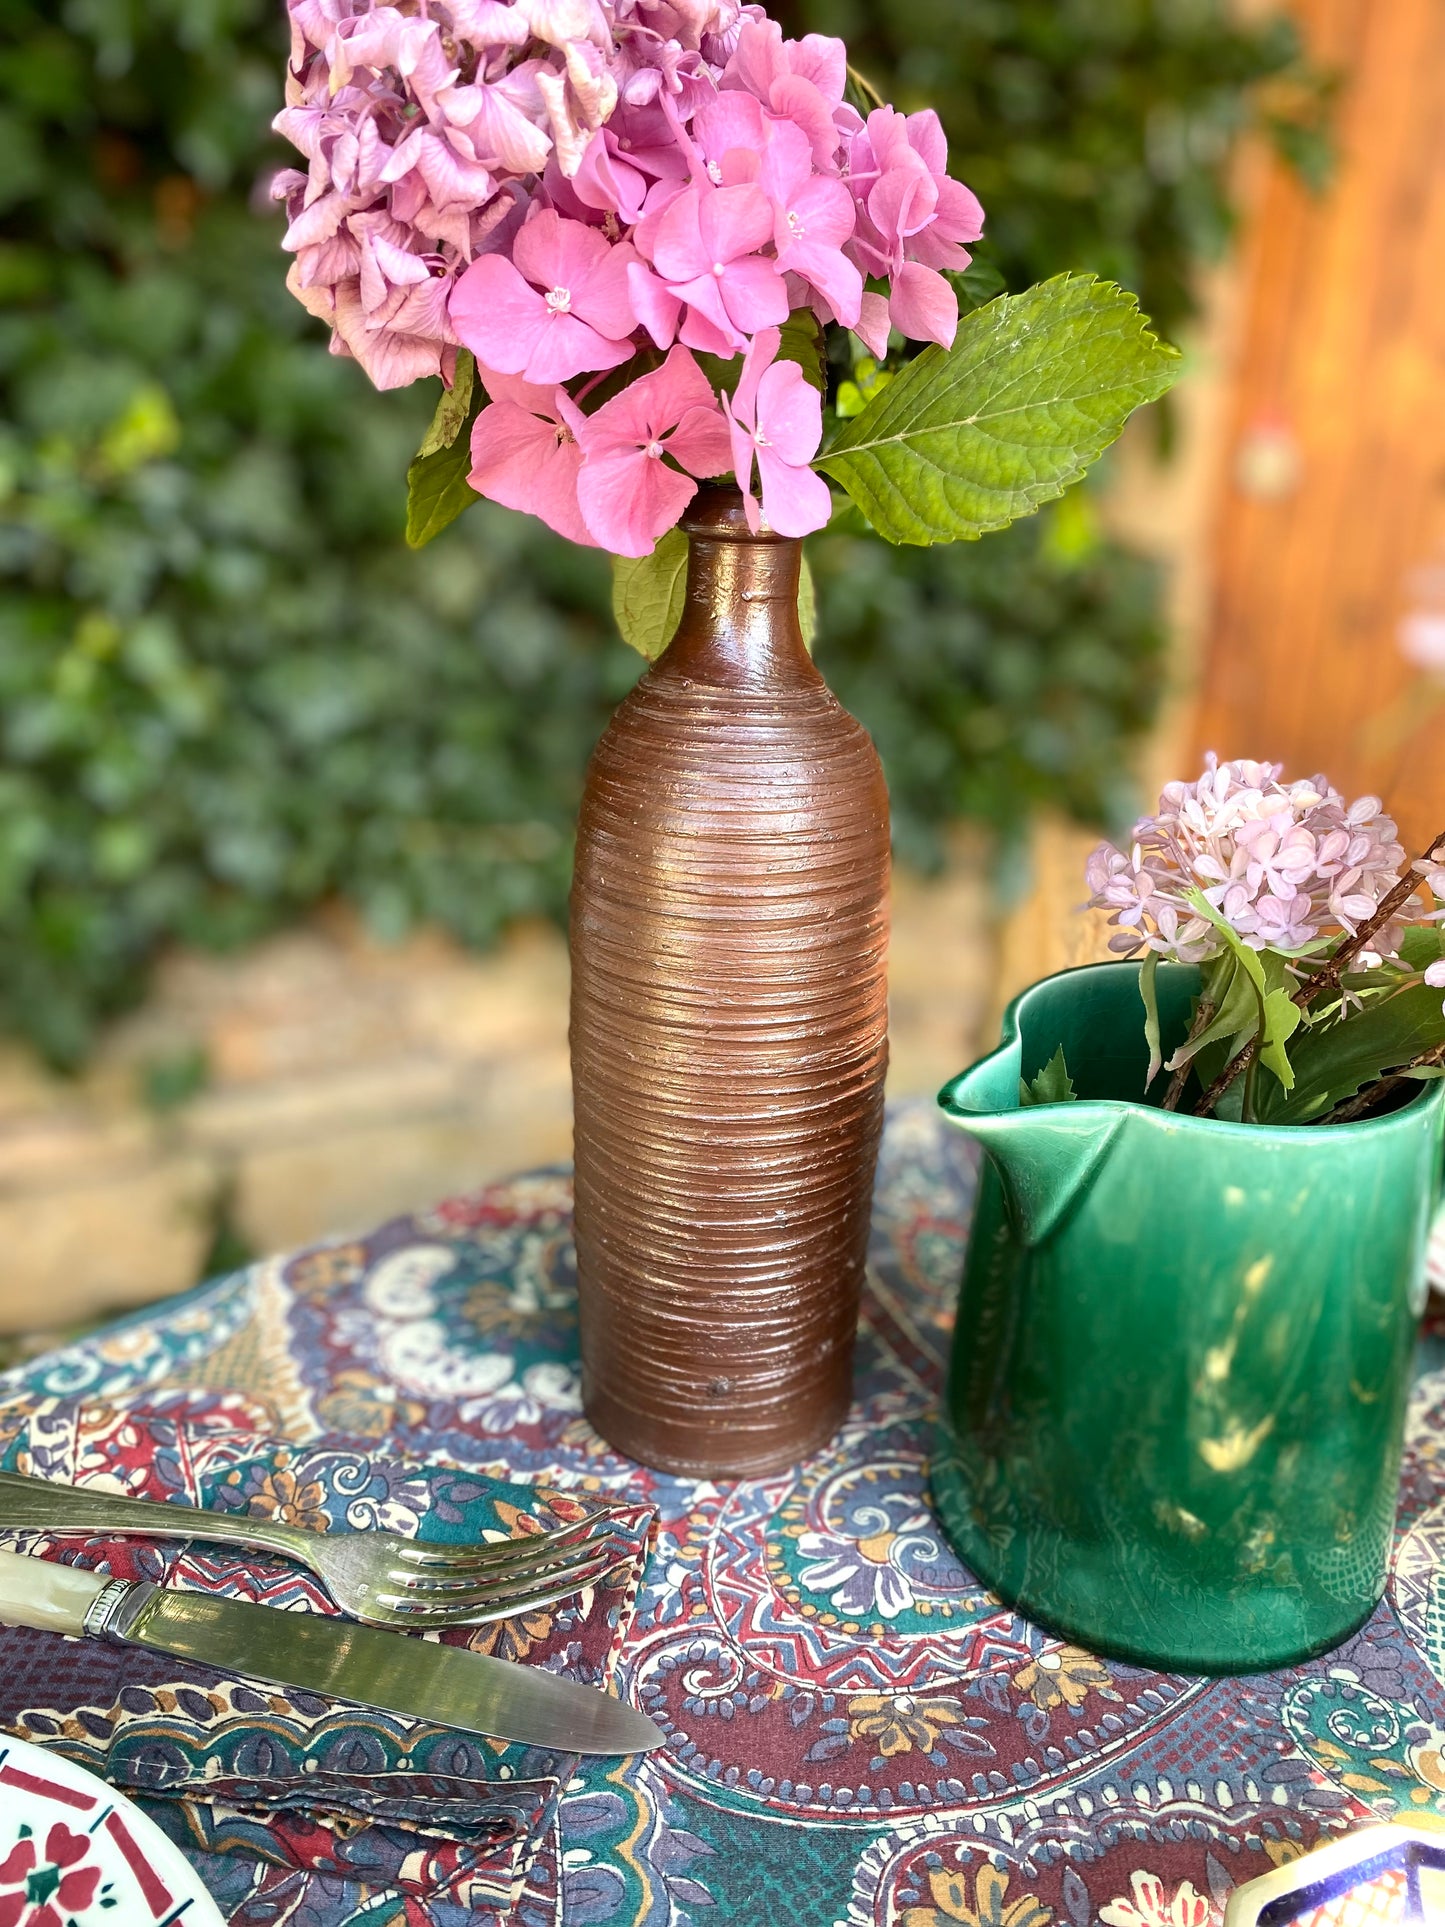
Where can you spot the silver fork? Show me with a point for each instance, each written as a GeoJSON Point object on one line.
{"type": "Point", "coordinates": [374, 1576]}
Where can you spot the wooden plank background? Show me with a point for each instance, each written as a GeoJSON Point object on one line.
{"type": "Point", "coordinates": [1330, 525]}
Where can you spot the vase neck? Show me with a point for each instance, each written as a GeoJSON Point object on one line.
{"type": "Point", "coordinates": [739, 626]}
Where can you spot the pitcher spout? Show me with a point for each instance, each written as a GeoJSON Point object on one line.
{"type": "Point", "coordinates": [1046, 1154]}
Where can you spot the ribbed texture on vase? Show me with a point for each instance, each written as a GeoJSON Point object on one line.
{"type": "Point", "coordinates": [729, 1031]}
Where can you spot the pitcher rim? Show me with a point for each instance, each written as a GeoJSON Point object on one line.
{"type": "Point", "coordinates": [1433, 1090]}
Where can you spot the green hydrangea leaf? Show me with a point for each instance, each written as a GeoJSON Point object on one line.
{"type": "Point", "coordinates": [1034, 388]}
{"type": "Point", "coordinates": [648, 593]}
{"type": "Point", "coordinates": [802, 341]}
{"type": "Point", "coordinates": [454, 408]}
{"type": "Point", "coordinates": [1053, 1085]}
{"type": "Point", "coordinates": [437, 489]}
{"type": "Point", "coordinates": [807, 605]}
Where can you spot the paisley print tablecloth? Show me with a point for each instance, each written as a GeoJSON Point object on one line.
{"type": "Point", "coordinates": [859, 1735]}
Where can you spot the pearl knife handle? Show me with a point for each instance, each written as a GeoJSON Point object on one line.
{"type": "Point", "coordinates": [47, 1596]}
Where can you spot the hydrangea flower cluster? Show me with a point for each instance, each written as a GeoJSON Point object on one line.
{"type": "Point", "coordinates": [567, 187]}
{"type": "Point", "coordinates": [1283, 863]}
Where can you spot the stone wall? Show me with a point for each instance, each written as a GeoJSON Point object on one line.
{"type": "Point", "coordinates": [321, 1082]}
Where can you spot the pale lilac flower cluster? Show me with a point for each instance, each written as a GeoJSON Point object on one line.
{"type": "Point", "coordinates": [560, 185]}
{"type": "Point", "coordinates": [1283, 863]}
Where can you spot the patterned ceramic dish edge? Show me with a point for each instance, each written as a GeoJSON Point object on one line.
{"type": "Point", "coordinates": [73, 1848]}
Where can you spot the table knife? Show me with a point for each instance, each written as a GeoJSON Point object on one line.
{"type": "Point", "coordinates": [397, 1672]}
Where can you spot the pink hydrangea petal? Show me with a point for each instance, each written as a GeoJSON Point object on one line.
{"type": "Point", "coordinates": [729, 121]}
{"type": "Point", "coordinates": [657, 308]}
{"type": "Point", "coordinates": [823, 59]}
{"type": "Point", "coordinates": [759, 358]}
{"type": "Point", "coordinates": [787, 164]}
{"type": "Point", "coordinates": [795, 500]}
{"type": "Point", "coordinates": [928, 140]}
{"type": "Point", "coordinates": [629, 499]}
{"type": "Point", "coordinates": [832, 274]}
{"type": "Point", "coordinates": [661, 196]}
{"type": "Point", "coordinates": [796, 99]}
{"type": "Point", "coordinates": [822, 212]}
{"type": "Point", "coordinates": [608, 181]}
{"type": "Point", "coordinates": [789, 413]}
{"type": "Point", "coordinates": [759, 59]}
{"type": "Point", "coordinates": [647, 408]}
{"type": "Point", "coordinates": [565, 346]}
{"type": "Point", "coordinates": [922, 304]}
{"type": "Point", "coordinates": [603, 297]}
{"type": "Point", "coordinates": [503, 135]}
{"type": "Point", "coordinates": [533, 396]}
{"type": "Point", "coordinates": [733, 221]}
{"type": "Point", "coordinates": [702, 441]}
{"type": "Point", "coordinates": [754, 295]}
{"type": "Point", "coordinates": [398, 264]}
{"type": "Point", "coordinates": [960, 212]}
{"type": "Point", "coordinates": [674, 240]}
{"type": "Point", "coordinates": [497, 314]}
{"type": "Point", "coordinates": [902, 202]}
{"type": "Point", "coordinates": [705, 324]}
{"type": "Point", "coordinates": [519, 461]}
{"type": "Point", "coordinates": [739, 167]}
{"type": "Point", "coordinates": [743, 450]}
{"type": "Point", "coordinates": [929, 248]}
{"type": "Point", "coordinates": [390, 360]}
{"type": "Point", "coordinates": [421, 310]}
{"type": "Point", "coordinates": [554, 253]}
{"type": "Point", "coordinates": [873, 324]}
{"type": "Point", "coordinates": [315, 223]}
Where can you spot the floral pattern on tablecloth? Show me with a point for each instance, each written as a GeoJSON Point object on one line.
{"type": "Point", "coordinates": [859, 1734]}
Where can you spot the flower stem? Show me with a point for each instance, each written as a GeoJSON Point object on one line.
{"type": "Point", "coordinates": [865, 86]}
{"type": "Point", "coordinates": [1328, 978]}
{"type": "Point", "coordinates": [1203, 1018]}
{"type": "Point", "coordinates": [1351, 946]}
{"type": "Point", "coordinates": [1226, 1077]}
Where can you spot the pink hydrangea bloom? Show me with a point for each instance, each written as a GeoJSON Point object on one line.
{"type": "Point", "coordinates": [813, 220]}
{"type": "Point", "coordinates": [912, 219]}
{"type": "Point", "coordinates": [629, 494]}
{"type": "Point", "coordinates": [776, 419]}
{"type": "Point", "coordinates": [568, 187]}
{"type": "Point", "coordinates": [525, 456]}
{"type": "Point", "coordinates": [707, 252]}
{"type": "Point", "coordinates": [1283, 863]}
{"type": "Point", "coordinates": [560, 307]}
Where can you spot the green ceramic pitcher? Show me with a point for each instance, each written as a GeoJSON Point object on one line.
{"type": "Point", "coordinates": [1174, 1412]}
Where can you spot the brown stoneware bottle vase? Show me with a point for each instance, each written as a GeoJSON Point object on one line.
{"type": "Point", "coordinates": [729, 1029]}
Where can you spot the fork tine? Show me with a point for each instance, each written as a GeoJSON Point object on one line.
{"type": "Point", "coordinates": [505, 1602]}
{"type": "Point", "coordinates": [526, 1562]}
{"type": "Point", "coordinates": [452, 1599]}
{"type": "Point", "coordinates": [494, 1553]}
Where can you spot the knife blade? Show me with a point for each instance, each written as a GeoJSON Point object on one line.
{"type": "Point", "coordinates": [396, 1672]}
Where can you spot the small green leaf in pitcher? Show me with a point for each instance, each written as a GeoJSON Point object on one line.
{"type": "Point", "coordinates": [1053, 1085]}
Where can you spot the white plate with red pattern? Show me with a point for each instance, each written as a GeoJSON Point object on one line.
{"type": "Point", "coordinates": [75, 1853]}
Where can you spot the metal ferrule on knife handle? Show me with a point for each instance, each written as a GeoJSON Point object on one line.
{"type": "Point", "coordinates": [114, 1610]}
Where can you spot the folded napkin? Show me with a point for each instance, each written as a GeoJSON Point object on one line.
{"type": "Point", "coordinates": [266, 1788]}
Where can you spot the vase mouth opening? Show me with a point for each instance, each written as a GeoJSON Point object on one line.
{"type": "Point", "coordinates": [717, 513]}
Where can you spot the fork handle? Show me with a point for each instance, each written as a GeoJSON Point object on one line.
{"type": "Point", "coordinates": [40, 1505]}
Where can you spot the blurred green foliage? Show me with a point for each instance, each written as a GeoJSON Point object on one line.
{"type": "Point", "coordinates": [1097, 133]}
{"type": "Point", "coordinates": [228, 690]}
